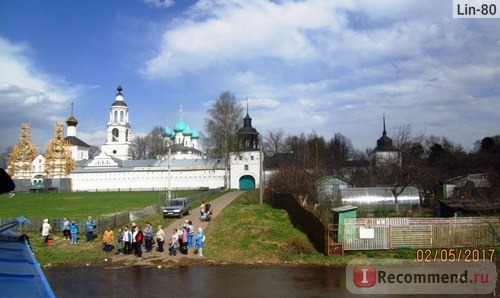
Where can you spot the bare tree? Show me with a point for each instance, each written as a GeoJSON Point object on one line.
{"type": "Point", "coordinates": [151, 146]}
{"type": "Point", "coordinates": [156, 143]}
{"type": "Point", "coordinates": [339, 151]}
{"type": "Point", "coordinates": [406, 167]}
{"type": "Point", "coordinates": [316, 148]}
{"type": "Point", "coordinates": [274, 142]}
{"type": "Point", "coordinates": [139, 148]}
{"type": "Point", "coordinates": [221, 126]}
{"type": "Point", "coordinates": [4, 157]}
{"type": "Point", "coordinates": [94, 151]}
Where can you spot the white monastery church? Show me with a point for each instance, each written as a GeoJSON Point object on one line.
{"type": "Point", "coordinates": [184, 167]}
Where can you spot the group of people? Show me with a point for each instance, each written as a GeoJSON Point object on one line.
{"type": "Point", "coordinates": [182, 238]}
{"type": "Point", "coordinates": [70, 230]}
{"type": "Point", "coordinates": [130, 241]}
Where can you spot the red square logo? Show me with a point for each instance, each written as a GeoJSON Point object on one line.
{"type": "Point", "coordinates": [365, 276]}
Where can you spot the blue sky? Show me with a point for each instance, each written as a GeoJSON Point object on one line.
{"type": "Point", "coordinates": [305, 66]}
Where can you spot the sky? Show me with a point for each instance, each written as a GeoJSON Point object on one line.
{"type": "Point", "coordinates": [307, 66]}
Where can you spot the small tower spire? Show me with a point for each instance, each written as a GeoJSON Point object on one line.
{"type": "Point", "coordinates": [72, 105]}
{"type": "Point", "coordinates": [247, 105]}
{"type": "Point", "coordinates": [384, 132]}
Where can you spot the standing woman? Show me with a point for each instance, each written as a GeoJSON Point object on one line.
{"type": "Point", "coordinates": [200, 238]}
{"type": "Point", "coordinates": [90, 226]}
{"type": "Point", "coordinates": [190, 228]}
{"type": "Point", "coordinates": [46, 230]}
{"type": "Point", "coordinates": [173, 242]}
{"type": "Point", "coordinates": [184, 247]}
{"type": "Point", "coordinates": [65, 225]}
{"type": "Point", "coordinates": [138, 237]}
{"type": "Point", "coordinates": [148, 236]}
{"type": "Point", "coordinates": [160, 239]}
{"type": "Point", "coordinates": [73, 229]}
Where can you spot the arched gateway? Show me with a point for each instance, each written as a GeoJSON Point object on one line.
{"type": "Point", "coordinates": [247, 182]}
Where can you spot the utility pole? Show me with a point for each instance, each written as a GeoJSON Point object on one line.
{"type": "Point", "coordinates": [261, 174]}
{"type": "Point", "coordinates": [169, 166]}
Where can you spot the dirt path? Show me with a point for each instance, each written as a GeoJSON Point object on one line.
{"type": "Point", "coordinates": [154, 258]}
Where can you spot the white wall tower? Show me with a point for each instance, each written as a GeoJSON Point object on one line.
{"type": "Point", "coordinates": [118, 132]}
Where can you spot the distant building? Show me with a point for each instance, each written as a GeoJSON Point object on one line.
{"type": "Point", "coordinates": [385, 152]}
{"type": "Point", "coordinates": [186, 167]}
{"type": "Point", "coordinates": [467, 194]}
{"type": "Point", "coordinates": [246, 163]}
{"type": "Point", "coordinates": [328, 187]}
{"type": "Point", "coordinates": [79, 149]}
{"type": "Point", "coordinates": [465, 186]}
{"type": "Point", "coordinates": [118, 129]}
{"type": "Point", "coordinates": [182, 142]}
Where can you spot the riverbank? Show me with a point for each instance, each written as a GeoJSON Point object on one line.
{"type": "Point", "coordinates": [243, 233]}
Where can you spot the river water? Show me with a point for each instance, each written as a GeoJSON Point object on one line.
{"type": "Point", "coordinates": [201, 281]}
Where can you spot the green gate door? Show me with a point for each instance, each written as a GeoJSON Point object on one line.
{"type": "Point", "coordinates": [247, 182]}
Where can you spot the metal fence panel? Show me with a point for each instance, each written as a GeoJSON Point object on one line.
{"type": "Point", "coordinates": [389, 233]}
{"type": "Point", "coordinates": [411, 236]}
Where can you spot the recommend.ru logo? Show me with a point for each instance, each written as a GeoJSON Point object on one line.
{"type": "Point", "coordinates": [367, 276]}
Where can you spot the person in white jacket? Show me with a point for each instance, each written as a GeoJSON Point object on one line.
{"type": "Point", "coordinates": [46, 230]}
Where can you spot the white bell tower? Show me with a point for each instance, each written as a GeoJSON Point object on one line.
{"type": "Point", "coordinates": [118, 131]}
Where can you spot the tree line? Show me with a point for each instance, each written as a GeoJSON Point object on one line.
{"type": "Point", "coordinates": [422, 161]}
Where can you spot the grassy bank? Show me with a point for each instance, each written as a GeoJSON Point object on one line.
{"type": "Point", "coordinates": [243, 233]}
{"type": "Point", "coordinates": [246, 232]}
{"type": "Point", "coordinates": [51, 205]}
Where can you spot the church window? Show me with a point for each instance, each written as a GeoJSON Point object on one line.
{"type": "Point", "coordinates": [122, 116]}
{"type": "Point", "coordinates": [241, 157]}
{"type": "Point", "coordinates": [115, 116]}
{"type": "Point", "coordinates": [251, 157]}
{"type": "Point", "coordinates": [115, 134]}
{"type": "Point", "coordinates": [246, 167]}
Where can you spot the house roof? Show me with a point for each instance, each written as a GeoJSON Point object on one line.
{"type": "Point", "coordinates": [479, 180]}
{"type": "Point", "coordinates": [119, 165]}
{"type": "Point", "coordinates": [330, 177]}
{"type": "Point", "coordinates": [76, 142]}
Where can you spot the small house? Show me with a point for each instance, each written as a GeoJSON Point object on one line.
{"type": "Point", "coordinates": [328, 187]}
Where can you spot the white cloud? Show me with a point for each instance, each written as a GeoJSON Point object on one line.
{"type": "Point", "coordinates": [28, 94]}
{"type": "Point", "coordinates": [232, 32]}
{"type": "Point", "coordinates": [337, 66]}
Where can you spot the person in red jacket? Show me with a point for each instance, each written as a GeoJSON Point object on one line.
{"type": "Point", "coordinates": [138, 239]}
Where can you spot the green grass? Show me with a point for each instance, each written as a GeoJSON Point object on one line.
{"type": "Point", "coordinates": [248, 233]}
{"type": "Point", "coordinates": [64, 253]}
{"type": "Point", "coordinates": [243, 233]}
{"type": "Point", "coordinates": [78, 205]}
